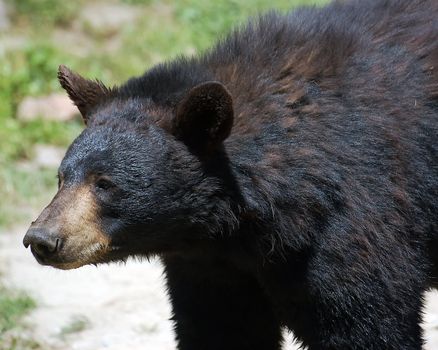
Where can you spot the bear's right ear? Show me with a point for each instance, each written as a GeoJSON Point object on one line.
{"type": "Point", "coordinates": [84, 93]}
{"type": "Point", "coordinates": [204, 117]}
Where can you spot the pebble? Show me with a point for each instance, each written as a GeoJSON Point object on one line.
{"type": "Point", "coordinates": [52, 107]}
{"type": "Point", "coordinates": [4, 19]}
{"type": "Point", "coordinates": [48, 156]}
{"type": "Point", "coordinates": [110, 19]}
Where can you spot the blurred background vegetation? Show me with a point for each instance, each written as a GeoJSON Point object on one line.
{"type": "Point", "coordinates": [110, 40]}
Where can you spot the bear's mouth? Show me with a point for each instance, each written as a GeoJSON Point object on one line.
{"type": "Point", "coordinates": [65, 261]}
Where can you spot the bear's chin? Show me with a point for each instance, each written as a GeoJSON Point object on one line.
{"type": "Point", "coordinates": [71, 265]}
{"type": "Point", "coordinates": [68, 260]}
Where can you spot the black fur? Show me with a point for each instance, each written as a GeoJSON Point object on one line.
{"type": "Point", "coordinates": [318, 212]}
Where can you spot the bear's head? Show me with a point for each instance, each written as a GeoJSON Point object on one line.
{"type": "Point", "coordinates": [142, 178]}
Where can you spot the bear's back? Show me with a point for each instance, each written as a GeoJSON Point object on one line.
{"type": "Point", "coordinates": [337, 108]}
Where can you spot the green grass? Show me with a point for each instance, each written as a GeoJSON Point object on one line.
{"type": "Point", "coordinates": [44, 12]}
{"type": "Point", "coordinates": [17, 342]}
{"type": "Point", "coordinates": [12, 307]}
{"type": "Point", "coordinates": [77, 324]}
{"type": "Point", "coordinates": [24, 190]}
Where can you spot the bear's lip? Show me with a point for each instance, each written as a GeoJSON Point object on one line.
{"type": "Point", "coordinates": [61, 261]}
{"type": "Point", "coordinates": [52, 261]}
{"type": "Point", "coordinates": [37, 257]}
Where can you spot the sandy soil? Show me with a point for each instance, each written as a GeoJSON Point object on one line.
{"type": "Point", "coordinates": [111, 307]}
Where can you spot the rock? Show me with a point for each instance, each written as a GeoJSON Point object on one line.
{"type": "Point", "coordinates": [107, 18]}
{"type": "Point", "coordinates": [52, 107]}
{"type": "Point", "coordinates": [12, 42]}
{"type": "Point", "coordinates": [4, 19]}
{"type": "Point", "coordinates": [48, 156]}
{"type": "Point", "coordinates": [72, 39]}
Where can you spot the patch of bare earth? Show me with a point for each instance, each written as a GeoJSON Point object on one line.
{"type": "Point", "coordinates": [113, 307]}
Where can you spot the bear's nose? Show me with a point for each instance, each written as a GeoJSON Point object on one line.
{"type": "Point", "coordinates": [41, 242]}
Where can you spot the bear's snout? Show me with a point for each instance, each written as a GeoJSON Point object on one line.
{"type": "Point", "coordinates": [42, 242]}
{"type": "Point", "coordinates": [68, 234]}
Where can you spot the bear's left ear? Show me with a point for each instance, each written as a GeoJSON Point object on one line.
{"type": "Point", "coordinates": [204, 117]}
{"type": "Point", "coordinates": [85, 94]}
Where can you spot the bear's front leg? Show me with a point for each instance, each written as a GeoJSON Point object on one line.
{"type": "Point", "coordinates": [218, 307]}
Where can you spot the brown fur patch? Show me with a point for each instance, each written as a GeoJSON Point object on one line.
{"type": "Point", "coordinates": [82, 234]}
{"type": "Point", "coordinates": [73, 217]}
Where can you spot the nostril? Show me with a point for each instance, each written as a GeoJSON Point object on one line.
{"type": "Point", "coordinates": [56, 245]}
{"type": "Point", "coordinates": [41, 250]}
{"type": "Point", "coordinates": [41, 242]}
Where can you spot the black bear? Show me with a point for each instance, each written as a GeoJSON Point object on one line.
{"type": "Point", "coordinates": [288, 177]}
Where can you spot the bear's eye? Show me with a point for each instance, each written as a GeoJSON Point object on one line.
{"type": "Point", "coordinates": [104, 184]}
{"type": "Point", "coordinates": [60, 180]}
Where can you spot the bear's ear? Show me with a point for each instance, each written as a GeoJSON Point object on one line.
{"type": "Point", "coordinates": [204, 117]}
{"type": "Point", "coordinates": [84, 93]}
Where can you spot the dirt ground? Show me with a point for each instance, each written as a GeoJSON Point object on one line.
{"type": "Point", "coordinates": [111, 307]}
